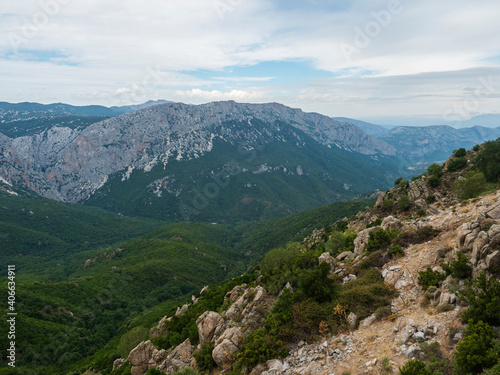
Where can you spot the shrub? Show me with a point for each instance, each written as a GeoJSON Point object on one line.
{"type": "Point", "coordinates": [477, 351]}
{"type": "Point", "coordinates": [483, 297]}
{"type": "Point", "coordinates": [185, 371]}
{"type": "Point", "coordinates": [436, 361]}
{"type": "Point", "coordinates": [457, 164]}
{"type": "Point", "coordinates": [398, 181]}
{"type": "Point", "coordinates": [434, 181]}
{"type": "Point", "coordinates": [434, 169]}
{"type": "Point", "coordinates": [395, 251]}
{"type": "Point", "coordinates": [204, 358]}
{"type": "Point", "coordinates": [380, 239]}
{"type": "Point", "coordinates": [274, 261]}
{"type": "Point", "coordinates": [460, 153]}
{"type": "Point", "coordinates": [258, 347]}
{"type": "Point", "coordinates": [154, 371]}
{"type": "Point", "coordinates": [429, 278]}
{"type": "Point", "coordinates": [459, 268]}
{"type": "Point", "coordinates": [404, 202]}
{"type": "Point", "coordinates": [416, 236]}
{"type": "Point", "coordinates": [316, 283]}
{"type": "Point", "coordinates": [387, 205]}
{"type": "Point", "coordinates": [414, 367]}
{"type": "Point", "coordinates": [422, 212]}
{"type": "Point", "coordinates": [374, 223]}
{"type": "Point", "coordinates": [471, 187]}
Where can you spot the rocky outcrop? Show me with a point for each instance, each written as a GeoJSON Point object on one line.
{"type": "Point", "coordinates": [327, 258]}
{"type": "Point", "coordinates": [226, 345]}
{"type": "Point", "coordinates": [390, 222]}
{"type": "Point", "coordinates": [140, 357]}
{"type": "Point", "coordinates": [180, 357]}
{"type": "Point", "coordinates": [361, 240]}
{"type": "Point", "coordinates": [209, 324]}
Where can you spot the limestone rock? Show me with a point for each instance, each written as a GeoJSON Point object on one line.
{"type": "Point", "coordinates": [209, 323]}
{"type": "Point", "coordinates": [345, 255]}
{"type": "Point", "coordinates": [390, 222]}
{"type": "Point", "coordinates": [361, 240]}
{"type": "Point", "coordinates": [494, 235]}
{"type": "Point", "coordinates": [494, 213]}
{"type": "Point", "coordinates": [118, 363]}
{"type": "Point", "coordinates": [365, 323]}
{"type": "Point", "coordinates": [140, 356]}
{"type": "Point", "coordinates": [227, 344]}
{"type": "Point", "coordinates": [352, 319]}
{"type": "Point", "coordinates": [181, 356]}
{"type": "Point", "coordinates": [493, 262]}
{"type": "Point", "coordinates": [479, 243]}
{"type": "Point", "coordinates": [326, 257]}
{"type": "Point", "coordinates": [182, 310]}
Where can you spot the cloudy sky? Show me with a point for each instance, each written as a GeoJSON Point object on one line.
{"type": "Point", "coordinates": [361, 58]}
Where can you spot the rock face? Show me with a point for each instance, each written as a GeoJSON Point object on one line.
{"type": "Point", "coordinates": [227, 344]}
{"type": "Point", "coordinates": [71, 165]}
{"type": "Point", "coordinates": [391, 222]}
{"type": "Point", "coordinates": [209, 324]}
{"type": "Point", "coordinates": [361, 240]}
{"type": "Point", "coordinates": [140, 356]}
{"type": "Point", "coordinates": [327, 258]}
{"type": "Point", "coordinates": [181, 356]}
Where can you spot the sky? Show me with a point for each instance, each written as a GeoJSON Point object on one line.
{"type": "Point", "coordinates": [363, 59]}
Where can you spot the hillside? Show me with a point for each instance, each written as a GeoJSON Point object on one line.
{"type": "Point", "coordinates": [217, 162]}
{"type": "Point", "coordinates": [411, 284]}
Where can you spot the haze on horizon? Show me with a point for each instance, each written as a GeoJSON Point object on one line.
{"type": "Point", "coordinates": [360, 59]}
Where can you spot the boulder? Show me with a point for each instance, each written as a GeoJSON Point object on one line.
{"type": "Point", "coordinates": [181, 310]}
{"type": "Point", "coordinates": [118, 363]}
{"type": "Point", "coordinates": [352, 319]}
{"type": "Point", "coordinates": [140, 356]}
{"type": "Point", "coordinates": [209, 324]}
{"type": "Point", "coordinates": [365, 323]}
{"type": "Point", "coordinates": [227, 344]}
{"type": "Point", "coordinates": [493, 262]}
{"type": "Point", "coordinates": [418, 189]}
{"type": "Point", "coordinates": [462, 232]}
{"type": "Point", "coordinates": [361, 240]}
{"type": "Point", "coordinates": [327, 258]}
{"type": "Point", "coordinates": [494, 235]}
{"type": "Point", "coordinates": [494, 212]}
{"type": "Point", "coordinates": [275, 367]}
{"type": "Point", "coordinates": [479, 243]}
{"type": "Point", "coordinates": [345, 255]}
{"type": "Point", "coordinates": [180, 357]}
{"type": "Point", "coordinates": [390, 222]}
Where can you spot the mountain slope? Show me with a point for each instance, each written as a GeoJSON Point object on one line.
{"type": "Point", "coordinates": [371, 129]}
{"type": "Point", "coordinates": [138, 161]}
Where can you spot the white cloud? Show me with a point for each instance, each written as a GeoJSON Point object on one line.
{"type": "Point", "coordinates": [105, 48]}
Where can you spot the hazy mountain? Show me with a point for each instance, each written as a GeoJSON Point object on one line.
{"type": "Point", "coordinates": [488, 121]}
{"type": "Point", "coordinates": [433, 143]}
{"type": "Point", "coordinates": [371, 129]}
{"type": "Point", "coordinates": [218, 160]}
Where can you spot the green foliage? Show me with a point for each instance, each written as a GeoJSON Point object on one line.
{"type": "Point", "coordinates": [186, 371]}
{"type": "Point", "coordinates": [204, 358]}
{"type": "Point", "coordinates": [488, 161]}
{"type": "Point", "coordinates": [483, 297]}
{"type": "Point", "coordinates": [395, 251]}
{"type": "Point", "coordinates": [340, 242]}
{"type": "Point", "coordinates": [429, 278]}
{"type": "Point", "coordinates": [374, 223]}
{"type": "Point", "coordinates": [380, 239]}
{"type": "Point", "coordinates": [277, 259]}
{"type": "Point", "coordinates": [404, 202]}
{"type": "Point", "coordinates": [471, 187]}
{"type": "Point", "coordinates": [258, 347]}
{"type": "Point", "coordinates": [316, 284]}
{"type": "Point", "coordinates": [422, 212]}
{"type": "Point", "coordinates": [434, 181]}
{"type": "Point", "coordinates": [154, 371]}
{"type": "Point", "coordinates": [457, 164]}
{"type": "Point", "coordinates": [478, 350]}
{"type": "Point", "coordinates": [416, 236]}
{"type": "Point", "coordinates": [459, 268]}
{"type": "Point", "coordinates": [387, 205]}
{"type": "Point", "coordinates": [414, 367]}
{"type": "Point", "coordinates": [436, 361]}
{"type": "Point", "coordinates": [435, 169]}
{"type": "Point", "coordinates": [131, 339]}
{"type": "Point", "coordinates": [398, 181]}
{"type": "Point", "coordinates": [461, 152]}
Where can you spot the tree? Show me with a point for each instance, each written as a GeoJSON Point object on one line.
{"type": "Point", "coordinates": [488, 161]}
{"type": "Point", "coordinates": [477, 351]}
{"type": "Point", "coordinates": [483, 297]}
{"type": "Point", "coordinates": [404, 202]}
{"type": "Point", "coordinates": [471, 187]}
{"type": "Point", "coordinates": [434, 169]}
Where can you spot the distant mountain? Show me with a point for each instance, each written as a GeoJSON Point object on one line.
{"type": "Point", "coordinates": [19, 119]}
{"type": "Point", "coordinates": [488, 121]}
{"type": "Point", "coordinates": [217, 161]}
{"type": "Point", "coordinates": [371, 129]}
{"type": "Point", "coordinates": [434, 143]}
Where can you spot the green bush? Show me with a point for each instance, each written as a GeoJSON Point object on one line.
{"type": "Point", "coordinates": [395, 251]}
{"type": "Point", "coordinates": [478, 350]}
{"type": "Point", "coordinates": [461, 152]}
{"type": "Point", "coordinates": [434, 181]}
{"type": "Point", "coordinates": [457, 164]}
{"type": "Point", "coordinates": [436, 361]}
{"type": "Point", "coordinates": [154, 371]}
{"type": "Point", "coordinates": [429, 278]}
{"type": "Point", "coordinates": [488, 161]}
{"type": "Point", "coordinates": [276, 259]}
{"type": "Point", "coordinates": [387, 205]}
{"type": "Point", "coordinates": [422, 212]}
{"type": "Point", "coordinates": [185, 371]}
{"type": "Point", "coordinates": [404, 202]}
{"type": "Point", "coordinates": [259, 347]}
{"type": "Point", "coordinates": [483, 297]}
{"type": "Point", "coordinates": [471, 187]}
{"type": "Point", "coordinates": [204, 358]}
{"type": "Point", "coordinates": [398, 181]}
{"type": "Point", "coordinates": [416, 236]}
{"type": "Point", "coordinates": [414, 367]}
{"type": "Point", "coordinates": [459, 268]}
{"type": "Point", "coordinates": [434, 169]}
{"type": "Point", "coordinates": [380, 239]}
{"type": "Point", "coordinates": [316, 283]}
{"type": "Point", "coordinates": [374, 223]}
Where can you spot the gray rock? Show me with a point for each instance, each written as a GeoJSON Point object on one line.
{"type": "Point", "coordinates": [345, 255]}
{"type": "Point", "coordinates": [327, 258]}
{"type": "Point", "coordinates": [352, 319]}
{"type": "Point", "coordinates": [365, 323]}
{"type": "Point", "coordinates": [209, 323]}
{"type": "Point", "coordinates": [390, 222]}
